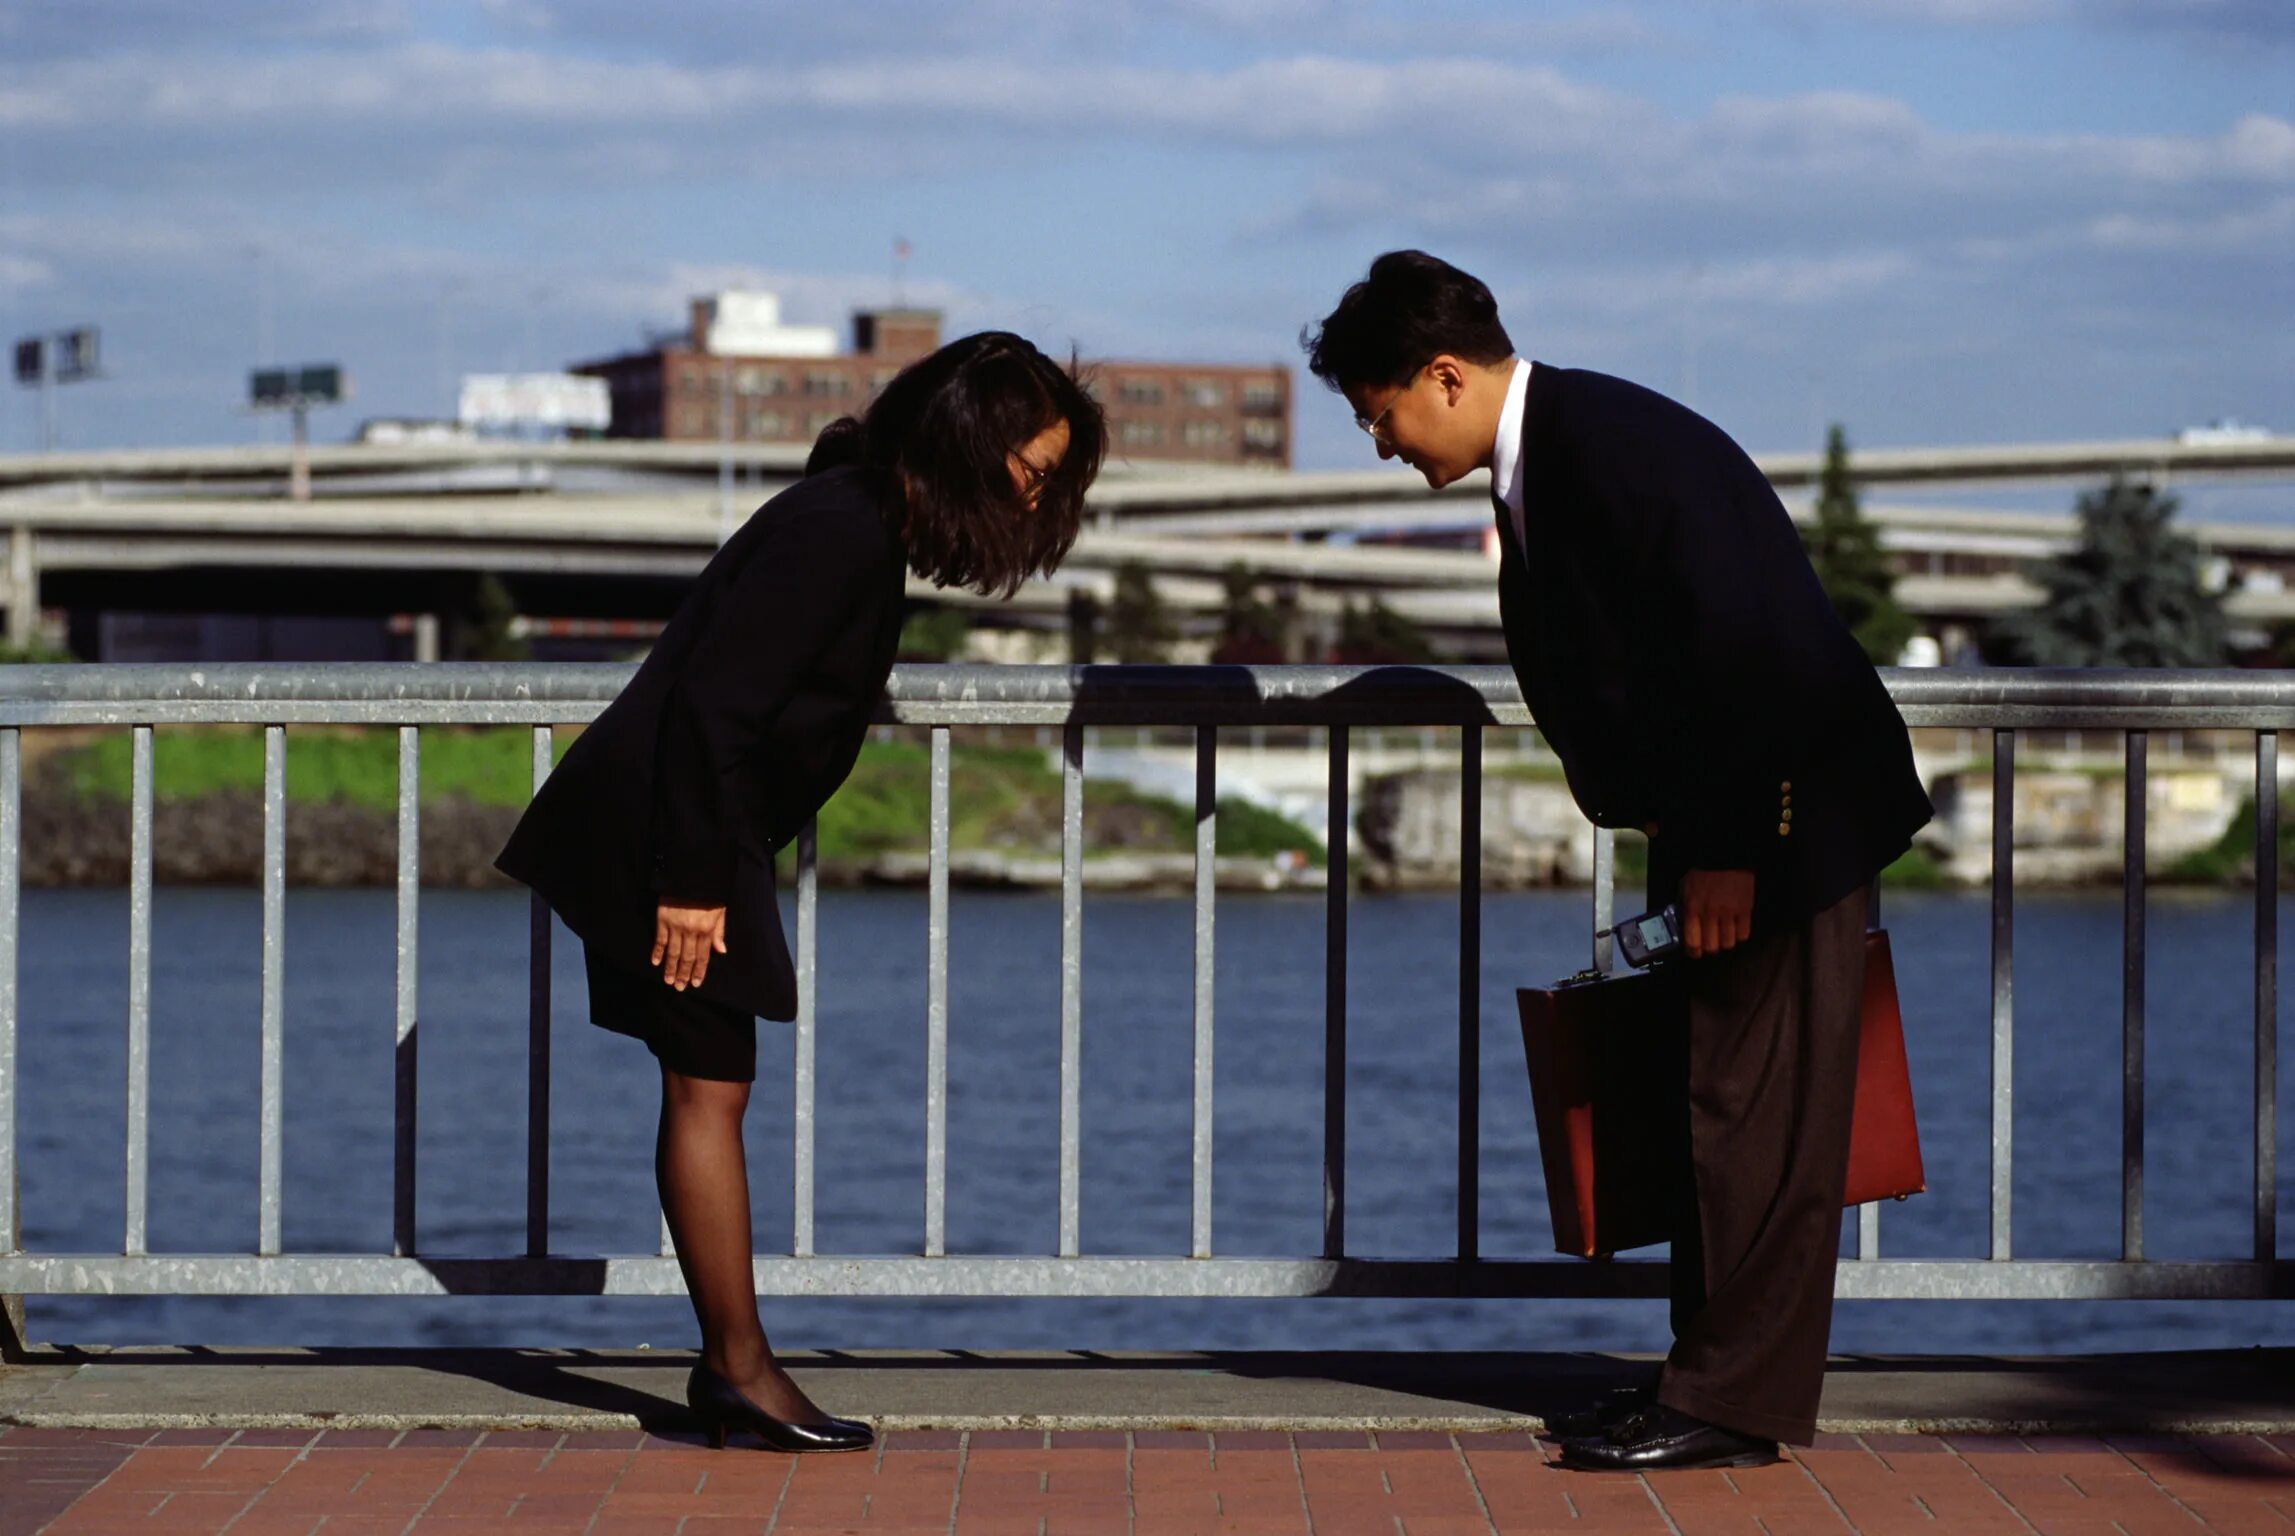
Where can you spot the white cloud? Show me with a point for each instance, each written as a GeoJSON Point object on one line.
{"type": "Point", "coordinates": [2264, 227]}
{"type": "Point", "coordinates": [18, 272]}
{"type": "Point", "coordinates": [488, 173]}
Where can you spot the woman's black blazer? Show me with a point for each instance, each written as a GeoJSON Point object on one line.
{"type": "Point", "coordinates": [741, 723]}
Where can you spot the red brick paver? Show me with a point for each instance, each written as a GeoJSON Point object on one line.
{"type": "Point", "coordinates": [1020, 1483]}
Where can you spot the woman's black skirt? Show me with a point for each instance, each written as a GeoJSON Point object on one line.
{"type": "Point", "coordinates": [688, 1032]}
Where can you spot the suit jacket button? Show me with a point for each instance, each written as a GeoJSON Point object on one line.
{"type": "Point", "coordinates": [1785, 787]}
{"type": "Point", "coordinates": [1784, 829]}
{"type": "Point", "coordinates": [1784, 815]}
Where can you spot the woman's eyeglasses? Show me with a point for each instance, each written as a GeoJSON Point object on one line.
{"type": "Point", "coordinates": [1033, 477]}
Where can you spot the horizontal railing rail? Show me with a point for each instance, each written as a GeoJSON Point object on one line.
{"type": "Point", "coordinates": [1333, 701]}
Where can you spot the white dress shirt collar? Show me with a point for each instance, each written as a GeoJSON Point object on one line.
{"type": "Point", "coordinates": [1506, 454]}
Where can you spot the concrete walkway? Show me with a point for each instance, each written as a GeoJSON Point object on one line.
{"type": "Point", "coordinates": [2246, 1391]}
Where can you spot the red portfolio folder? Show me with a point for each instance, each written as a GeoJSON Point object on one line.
{"type": "Point", "coordinates": [1609, 1079]}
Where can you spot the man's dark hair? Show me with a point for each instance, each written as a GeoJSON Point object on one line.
{"type": "Point", "coordinates": [940, 435]}
{"type": "Point", "coordinates": [1411, 308]}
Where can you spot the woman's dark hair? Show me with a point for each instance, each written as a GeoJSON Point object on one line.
{"type": "Point", "coordinates": [942, 433]}
{"type": "Point", "coordinates": [1411, 308]}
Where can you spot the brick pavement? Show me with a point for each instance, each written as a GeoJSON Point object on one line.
{"type": "Point", "coordinates": [271, 1482]}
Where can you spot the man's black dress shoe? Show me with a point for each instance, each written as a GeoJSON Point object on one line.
{"type": "Point", "coordinates": [1606, 1412]}
{"type": "Point", "coordinates": [1662, 1439]}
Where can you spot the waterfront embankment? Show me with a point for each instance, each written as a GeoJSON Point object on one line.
{"type": "Point", "coordinates": [1005, 802]}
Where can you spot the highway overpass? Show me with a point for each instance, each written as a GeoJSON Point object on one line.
{"type": "Point", "coordinates": [613, 530]}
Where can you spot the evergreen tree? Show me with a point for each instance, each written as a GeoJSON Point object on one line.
{"type": "Point", "coordinates": [1138, 625]}
{"type": "Point", "coordinates": [2130, 594]}
{"type": "Point", "coordinates": [934, 634]}
{"type": "Point", "coordinates": [1846, 550]}
{"type": "Point", "coordinates": [1373, 634]}
{"type": "Point", "coordinates": [483, 631]}
{"type": "Point", "coordinates": [1250, 629]}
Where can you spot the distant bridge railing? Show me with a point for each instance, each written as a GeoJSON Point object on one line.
{"type": "Point", "coordinates": [942, 699]}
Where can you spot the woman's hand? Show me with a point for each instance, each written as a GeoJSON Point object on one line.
{"type": "Point", "coordinates": [683, 940]}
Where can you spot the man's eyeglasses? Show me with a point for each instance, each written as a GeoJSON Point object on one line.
{"type": "Point", "coordinates": [1376, 425]}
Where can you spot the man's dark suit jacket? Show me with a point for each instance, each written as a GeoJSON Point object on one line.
{"type": "Point", "coordinates": [744, 719]}
{"type": "Point", "coordinates": [1682, 659]}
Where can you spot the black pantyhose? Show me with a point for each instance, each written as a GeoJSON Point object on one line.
{"type": "Point", "coordinates": [704, 1180]}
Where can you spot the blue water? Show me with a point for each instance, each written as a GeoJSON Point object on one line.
{"type": "Point", "coordinates": [1003, 1115]}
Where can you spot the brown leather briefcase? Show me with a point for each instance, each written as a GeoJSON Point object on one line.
{"type": "Point", "coordinates": [1609, 1080]}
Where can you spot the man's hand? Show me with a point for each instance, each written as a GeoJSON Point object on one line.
{"type": "Point", "coordinates": [1716, 910]}
{"type": "Point", "coordinates": [683, 940]}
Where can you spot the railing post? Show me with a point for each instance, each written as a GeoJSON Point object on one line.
{"type": "Point", "coordinates": [13, 1340]}
{"type": "Point", "coordinates": [936, 1007]}
{"type": "Point", "coordinates": [2003, 973]}
{"type": "Point", "coordinates": [405, 1073]}
{"type": "Point", "coordinates": [1337, 822]}
{"type": "Point", "coordinates": [1072, 988]}
{"type": "Point", "coordinates": [1469, 993]}
{"type": "Point", "coordinates": [139, 992]}
{"type": "Point", "coordinates": [1206, 930]}
{"type": "Point", "coordinates": [2132, 1000]}
{"type": "Point", "coordinates": [2266, 995]}
{"type": "Point", "coordinates": [801, 1088]}
{"type": "Point", "coordinates": [538, 1043]}
{"type": "Point", "coordinates": [1605, 894]}
{"type": "Point", "coordinates": [1869, 1214]}
{"type": "Point", "coordinates": [273, 1155]}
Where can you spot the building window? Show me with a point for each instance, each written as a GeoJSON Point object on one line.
{"type": "Point", "coordinates": [1261, 394]}
{"type": "Point", "coordinates": [829, 386]}
{"type": "Point", "coordinates": [1143, 434]}
{"type": "Point", "coordinates": [767, 424]}
{"type": "Point", "coordinates": [1140, 392]}
{"type": "Point", "coordinates": [691, 421]}
{"type": "Point", "coordinates": [1205, 394]}
{"type": "Point", "coordinates": [1205, 434]}
{"type": "Point", "coordinates": [1263, 435]}
{"type": "Point", "coordinates": [817, 423]}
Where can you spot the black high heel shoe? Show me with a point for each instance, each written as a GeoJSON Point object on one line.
{"type": "Point", "coordinates": [722, 1408]}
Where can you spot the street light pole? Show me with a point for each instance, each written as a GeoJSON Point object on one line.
{"type": "Point", "coordinates": [725, 451]}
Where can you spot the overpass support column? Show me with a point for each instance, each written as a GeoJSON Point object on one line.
{"type": "Point", "coordinates": [23, 588]}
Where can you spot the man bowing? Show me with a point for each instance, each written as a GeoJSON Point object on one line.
{"type": "Point", "coordinates": [1680, 656]}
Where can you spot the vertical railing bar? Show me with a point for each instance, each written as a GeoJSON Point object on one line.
{"type": "Point", "coordinates": [1869, 1214]}
{"type": "Point", "coordinates": [1206, 919]}
{"type": "Point", "coordinates": [1338, 822]}
{"type": "Point", "coordinates": [1071, 988]}
{"type": "Point", "coordinates": [808, 973]}
{"type": "Point", "coordinates": [2132, 999]}
{"type": "Point", "coordinates": [2003, 1012]}
{"type": "Point", "coordinates": [274, 979]}
{"type": "Point", "coordinates": [11, 910]}
{"type": "Point", "coordinates": [405, 1076]}
{"type": "Point", "coordinates": [2266, 995]}
{"type": "Point", "coordinates": [1605, 907]}
{"type": "Point", "coordinates": [1469, 993]}
{"type": "Point", "coordinates": [936, 1010]}
{"type": "Point", "coordinates": [139, 992]}
{"type": "Point", "coordinates": [538, 1042]}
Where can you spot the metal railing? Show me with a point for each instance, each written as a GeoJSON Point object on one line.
{"type": "Point", "coordinates": [1207, 699]}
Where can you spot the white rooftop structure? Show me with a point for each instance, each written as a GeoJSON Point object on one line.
{"type": "Point", "coordinates": [746, 322]}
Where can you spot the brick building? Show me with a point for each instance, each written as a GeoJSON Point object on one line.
{"type": "Point", "coordinates": [739, 374]}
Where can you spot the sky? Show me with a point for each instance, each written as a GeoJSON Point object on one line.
{"type": "Point", "coordinates": [1935, 221]}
